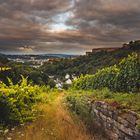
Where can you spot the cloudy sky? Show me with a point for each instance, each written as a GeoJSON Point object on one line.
{"type": "Point", "coordinates": [67, 26]}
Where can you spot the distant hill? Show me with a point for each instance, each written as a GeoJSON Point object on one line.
{"type": "Point", "coordinates": [41, 56]}
{"type": "Point", "coordinates": [90, 63]}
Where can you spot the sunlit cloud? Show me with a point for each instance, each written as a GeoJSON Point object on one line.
{"type": "Point", "coordinates": [27, 49]}
{"type": "Point", "coordinates": [59, 22]}
{"type": "Point", "coordinates": [67, 26]}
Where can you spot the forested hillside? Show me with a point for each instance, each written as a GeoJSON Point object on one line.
{"type": "Point", "coordinates": [124, 77]}
{"type": "Point", "coordinates": [89, 64]}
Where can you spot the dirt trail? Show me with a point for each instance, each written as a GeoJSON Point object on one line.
{"type": "Point", "coordinates": [55, 123]}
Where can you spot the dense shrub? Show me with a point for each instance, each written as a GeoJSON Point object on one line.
{"type": "Point", "coordinates": [84, 82]}
{"type": "Point", "coordinates": [16, 102]}
{"type": "Point", "coordinates": [123, 78]}
{"type": "Point", "coordinates": [106, 78]}
{"type": "Point", "coordinates": [128, 78]}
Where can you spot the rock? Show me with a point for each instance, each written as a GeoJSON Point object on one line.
{"type": "Point", "coordinates": [113, 136]}
{"type": "Point", "coordinates": [126, 130]}
{"type": "Point", "coordinates": [122, 121]}
{"type": "Point", "coordinates": [126, 138]}
{"type": "Point", "coordinates": [115, 125]}
{"type": "Point", "coordinates": [96, 111]}
{"type": "Point", "coordinates": [115, 115]}
{"type": "Point", "coordinates": [103, 117]}
{"type": "Point", "coordinates": [131, 117]}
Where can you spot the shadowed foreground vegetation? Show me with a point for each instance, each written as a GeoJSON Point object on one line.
{"type": "Point", "coordinates": [55, 122]}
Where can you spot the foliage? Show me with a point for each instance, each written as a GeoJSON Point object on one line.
{"type": "Point", "coordinates": [51, 83]}
{"type": "Point", "coordinates": [135, 45]}
{"type": "Point", "coordinates": [16, 69]}
{"type": "Point", "coordinates": [83, 82]}
{"type": "Point", "coordinates": [5, 68]}
{"type": "Point", "coordinates": [128, 79]}
{"type": "Point", "coordinates": [85, 64]}
{"type": "Point", "coordinates": [47, 94]}
{"type": "Point", "coordinates": [17, 101]}
{"type": "Point", "coordinates": [106, 77]}
{"type": "Point", "coordinates": [123, 78]}
{"type": "Point", "coordinates": [3, 59]}
{"type": "Point", "coordinates": [79, 99]}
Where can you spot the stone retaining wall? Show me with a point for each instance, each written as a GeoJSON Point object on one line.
{"type": "Point", "coordinates": [115, 124]}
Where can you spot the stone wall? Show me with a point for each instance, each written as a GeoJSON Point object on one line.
{"type": "Point", "coordinates": [115, 124]}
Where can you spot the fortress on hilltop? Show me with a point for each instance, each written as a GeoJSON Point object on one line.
{"type": "Point", "coordinates": [131, 44]}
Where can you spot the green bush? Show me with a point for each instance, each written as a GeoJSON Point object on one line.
{"type": "Point", "coordinates": [123, 78]}
{"type": "Point", "coordinates": [16, 102]}
{"type": "Point", "coordinates": [106, 78]}
{"type": "Point", "coordinates": [128, 78]}
{"type": "Point", "coordinates": [79, 103]}
{"type": "Point", "coordinates": [83, 82]}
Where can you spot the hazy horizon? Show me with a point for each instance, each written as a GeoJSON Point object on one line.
{"type": "Point", "coordinates": [17, 53]}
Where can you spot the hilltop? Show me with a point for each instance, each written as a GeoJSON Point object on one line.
{"type": "Point", "coordinates": [92, 61]}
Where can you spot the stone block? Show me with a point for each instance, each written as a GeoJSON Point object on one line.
{"type": "Point", "coordinates": [103, 117]}
{"type": "Point", "coordinates": [117, 126]}
{"type": "Point", "coordinates": [115, 115]}
{"type": "Point", "coordinates": [123, 122]}
{"type": "Point", "coordinates": [131, 117]}
{"type": "Point", "coordinates": [126, 130]}
{"type": "Point", "coordinates": [127, 138]}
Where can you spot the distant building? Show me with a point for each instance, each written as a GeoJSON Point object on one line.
{"type": "Point", "coordinates": [104, 49]}
{"type": "Point", "coordinates": [125, 46]}
{"type": "Point", "coordinates": [52, 60]}
{"type": "Point", "coordinates": [59, 85]}
{"type": "Point", "coordinates": [67, 76]}
{"type": "Point", "coordinates": [69, 81]}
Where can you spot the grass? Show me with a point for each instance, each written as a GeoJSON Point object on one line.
{"type": "Point", "coordinates": [55, 122]}
{"type": "Point", "coordinates": [80, 103]}
{"type": "Point", "coordinates": [124, 101]}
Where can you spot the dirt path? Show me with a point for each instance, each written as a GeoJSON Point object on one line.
{"type": "Point", "coordinates": [55, 123]}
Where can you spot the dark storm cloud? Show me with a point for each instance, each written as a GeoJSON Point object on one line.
{"type": "Point", "coordinates": [110, 20]}
{"type": "Point", "coordinates": [25, 24]}
{"type": "Point", "coordinates": [21, 21]}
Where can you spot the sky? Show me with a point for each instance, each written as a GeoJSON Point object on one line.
{"type": "Point", "coordinates": [67, 26]}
